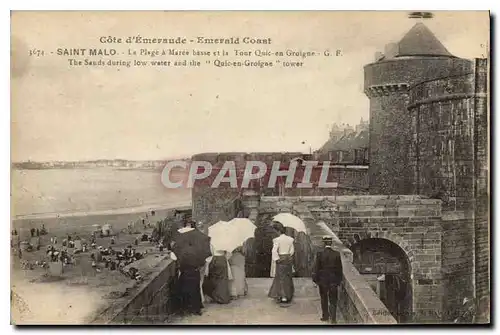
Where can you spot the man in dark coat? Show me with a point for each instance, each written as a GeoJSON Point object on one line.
{"type": "Point", "coordinates": [327, 274]}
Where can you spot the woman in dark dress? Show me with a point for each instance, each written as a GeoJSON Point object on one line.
{"type": "Point", "coordinates": [264, 235]}
{"type": "Point", "coordinates": [216, 285]}
{"type": "Point", "coordinates": [188, 288]}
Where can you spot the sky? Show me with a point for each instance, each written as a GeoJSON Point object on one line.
{"type": "Point", "coordinates": [59, 112]}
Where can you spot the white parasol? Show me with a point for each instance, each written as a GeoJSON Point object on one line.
{"type": "Point", "coordinates": [290, 220]}
{"type": "Point", "coordinates": [221, 235]}
{"type": "Point", "coordinates": [243, 229]}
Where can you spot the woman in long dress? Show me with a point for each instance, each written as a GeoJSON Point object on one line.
{"type": "Point", "coordinates": [189, 288]}
{"type": "Point", "coordinates": [216, 285]}
{"type": "Point", "coordinates": [238, 286]}
{"type": "Point", "coordinates": [264, 235]}
{"type": "Point", "coordinates": [186, 287]}
{"type": "Point", "coordinates": [250, 254]}
{"type": "Point", "coordinates": [282, 288]}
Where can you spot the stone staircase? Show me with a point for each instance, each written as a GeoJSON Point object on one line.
{"type": "Point", "coordinates": [257, 309]}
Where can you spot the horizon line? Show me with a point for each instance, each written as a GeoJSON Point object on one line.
{"type": "Point", "coordinates": [99, 159]}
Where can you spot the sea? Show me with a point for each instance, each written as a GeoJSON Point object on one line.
{"type": "Point", "coordinates": [67, 192]}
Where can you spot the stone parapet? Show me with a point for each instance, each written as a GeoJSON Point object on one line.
{"type": "Point", "coordinates": [357, 301]}
{"type": "Point", "coordinates": [358, 206]}
{"type": "Point", "coordinates": [149, 303]}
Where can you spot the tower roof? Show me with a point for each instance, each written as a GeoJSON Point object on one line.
{"type": "Point", "coordinates": [418, 41]}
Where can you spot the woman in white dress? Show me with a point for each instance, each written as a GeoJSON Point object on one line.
{"type": "Point", "coordinates": [238, 286]}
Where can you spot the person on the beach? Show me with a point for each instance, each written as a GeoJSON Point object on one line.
{"type": "Point", "coordinates": [282, 288]}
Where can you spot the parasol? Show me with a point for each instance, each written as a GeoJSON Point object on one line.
{"type": "Point", "coordinates": [222, 236]}
{"type": "Point", "coordinates": [243, 229]}
{"type": "Point", "coordinates": [290, 220]}
{"type": "Point", "coordinates": [192, 248]}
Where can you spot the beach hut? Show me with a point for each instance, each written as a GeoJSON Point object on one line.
{"type": "Point", "coordinates": [56, 269]}
{"type": "Point", "coordinates": [107, 230]}
{"type": "Point", "coordinates": [78, 245]}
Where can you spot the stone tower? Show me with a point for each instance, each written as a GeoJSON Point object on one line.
{"type": "Point", "coordinates": [429, 136]}
{"type": "Point", "coordinates": [449, 159]}
{"type": "Point", "coordinates": [418, 57]}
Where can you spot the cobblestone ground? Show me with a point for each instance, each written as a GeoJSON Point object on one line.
{"type": "Point", "coordinates": [257, 309]}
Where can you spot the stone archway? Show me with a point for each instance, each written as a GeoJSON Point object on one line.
{"type": "Point", "coordinates": [387, 267]}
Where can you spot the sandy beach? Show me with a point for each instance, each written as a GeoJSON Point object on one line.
{"type": "Point", "coordinates": [82, 291]}
{"type": "Point", "coordinates": [126, 210]}
{"type": "Point", "coordinates": [70, 202]}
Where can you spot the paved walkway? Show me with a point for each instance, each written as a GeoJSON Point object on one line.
{"type": "Point", "coordinates": [257, 309]}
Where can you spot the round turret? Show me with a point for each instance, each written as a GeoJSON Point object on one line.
{"type": "Point", "coordinates": [418, 57]}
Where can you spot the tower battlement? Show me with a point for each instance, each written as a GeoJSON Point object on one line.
{"type": "Point", "coordinates": [381, 90]}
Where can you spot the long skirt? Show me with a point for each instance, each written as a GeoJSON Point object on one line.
{"type": "Point", "coordinates": [216, 285]}
{"type": "Point", "coordinates": [203, 270]}
{"type": "Point", "coordinates": [188, 289]}
{"type": "Point", "coordinates": [282, 286]}
{"type": "Point", "coordinates": [238, 286]}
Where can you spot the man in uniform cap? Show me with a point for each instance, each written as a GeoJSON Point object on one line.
{"type": "Point", "coordinates": [327, 274]}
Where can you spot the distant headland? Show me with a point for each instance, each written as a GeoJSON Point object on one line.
{"type": "Point", "coordinates": [100, 163]}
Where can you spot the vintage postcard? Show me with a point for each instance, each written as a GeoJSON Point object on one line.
{"type": "Point", "coordinates": [250, 168]}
